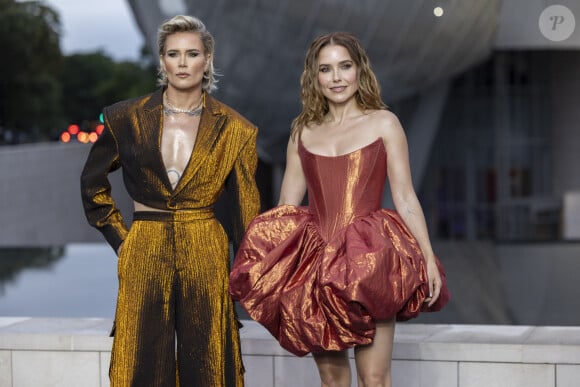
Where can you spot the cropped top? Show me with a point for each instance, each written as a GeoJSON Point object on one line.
{"type": "Point", "coordinates": [224, 157]}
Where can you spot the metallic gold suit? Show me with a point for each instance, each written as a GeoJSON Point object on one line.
{"type": "Point", "coordinates": [173, 268]}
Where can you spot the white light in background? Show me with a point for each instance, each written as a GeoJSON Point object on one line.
{"type": "Point", "coordinates": [438, 11]}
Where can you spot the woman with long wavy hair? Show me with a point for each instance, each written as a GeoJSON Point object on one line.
{"type": "Point", "coordinates": [337, 273]}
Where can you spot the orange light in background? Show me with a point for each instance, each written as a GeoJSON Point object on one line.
{"type": "Point", "coordinates": [73, 129]}
{"type": "Point", "coordinates": [83, 137]}
{"type": "Point", "coordinates": [65, 137]}
{"type": "Point", "coordinates": [93, 136]}
{"type": "Point", "coordinates": [99, 129]}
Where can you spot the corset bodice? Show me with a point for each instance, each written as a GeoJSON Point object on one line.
{"type": "Point", "coordinates": [343, 187]}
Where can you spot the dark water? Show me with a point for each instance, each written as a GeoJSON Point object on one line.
{"type": "Point", "coordinates": [534, 284]}
{"type": "Point", "coordinates": [77, 280]}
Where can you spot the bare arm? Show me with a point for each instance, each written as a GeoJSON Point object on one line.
{"type": "Point", "coordinates": [294, 182]}
{"type": "Point", "coordinates": [405, 198]}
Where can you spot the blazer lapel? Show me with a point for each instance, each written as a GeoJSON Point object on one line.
{"type": "Point", "coordinates": [210, 125]}
{"type": "Point", "coordinates": [151, 122]}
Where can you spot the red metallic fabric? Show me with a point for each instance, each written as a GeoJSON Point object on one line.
{"type": "Point", "coordinates": [318, 277]}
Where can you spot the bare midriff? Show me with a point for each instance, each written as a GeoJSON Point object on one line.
{"type": "Point", "coordinates": [177, 143]}
{"type": "Point", "coordinates": [143, 207]}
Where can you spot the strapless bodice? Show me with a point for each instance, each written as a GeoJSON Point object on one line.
{"type": "Point", "coordinates": [343, 187]}
{"type": "Point", "coordinates": [319, 277]}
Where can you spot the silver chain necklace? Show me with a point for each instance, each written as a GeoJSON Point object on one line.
{"type": "Point", "coordinates": [168, 108]}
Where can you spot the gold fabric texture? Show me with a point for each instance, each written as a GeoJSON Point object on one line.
{"type": "Point", "coordinates": [319, 277]}
{"type": "Point", "coordinates": [173, 267]}
{"type": "Point", "coordinates": [225, 152]}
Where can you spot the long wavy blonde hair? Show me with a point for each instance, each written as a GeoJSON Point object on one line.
{"type": "Point", "coordinates": [314, 104]}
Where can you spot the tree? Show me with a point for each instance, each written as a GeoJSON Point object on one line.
{"type": "Point", "coordinates": [42, 91]}
{"type": "Point", "coordinates": [29, 69]}
{"type": "Point", "coordinates": [91, 81]}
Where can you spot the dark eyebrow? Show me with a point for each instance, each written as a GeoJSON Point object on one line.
{"type": "Point", "coordinates": [190, 50]}
{"type": "Point", "coordinates": [340, 63]}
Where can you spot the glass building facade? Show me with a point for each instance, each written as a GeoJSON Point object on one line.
{"type": "Point", "coordinates": [490, 169]}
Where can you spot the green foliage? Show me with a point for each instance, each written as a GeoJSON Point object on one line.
{"type": "Point", "coordinates": [42, 91]}
{"type": "Point", "coordinates": [31, 60]}
{"type": "Point", "coordinates": [92, 81]}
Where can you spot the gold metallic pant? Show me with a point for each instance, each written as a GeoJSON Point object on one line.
{"type": "Point", "coordinates": [173, 280]}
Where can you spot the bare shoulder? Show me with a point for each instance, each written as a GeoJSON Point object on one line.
{"type": "Point", "coordinates": [293, 141]}
{"type": "Point", "coordinates": [385, 117]}
{"type": "Point", "coordinates": [386, 123]}
{"type": "Point", "coordinates": [307, 133]}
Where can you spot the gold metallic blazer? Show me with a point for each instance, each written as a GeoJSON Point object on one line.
{"type": "Point", "coordinates": [224, 157]}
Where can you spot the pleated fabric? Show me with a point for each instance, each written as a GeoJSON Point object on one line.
{"type": "Point", "coordinates": [319, 277]}
{"type": "Point", "coordinates": [173, 281]}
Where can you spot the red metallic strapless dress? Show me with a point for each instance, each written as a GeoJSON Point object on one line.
{"type": "Point", "coordinates": [318, 277]}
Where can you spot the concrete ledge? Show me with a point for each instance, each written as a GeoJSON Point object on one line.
{"type": "Point", "coordinates": [76, 352]}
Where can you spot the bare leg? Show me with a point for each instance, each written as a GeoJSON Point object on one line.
{"type": "Point", "coordinates": [373, 361]}
{"type": "Point", "coordinates": [334, 368]}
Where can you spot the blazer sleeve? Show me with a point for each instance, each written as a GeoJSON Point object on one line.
{"type": "Point", "coordinates": [99, 206]}
{"type": "Point", "coordinates": [243, 190]}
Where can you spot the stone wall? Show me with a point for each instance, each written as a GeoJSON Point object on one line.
{"type": "Point", "coordinates": [76, 352]}
{"type": "Point", "coordinates": [40, 203]}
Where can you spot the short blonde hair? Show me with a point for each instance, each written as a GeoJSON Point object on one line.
{"type": "Point", "coordinates": [184, 23]}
